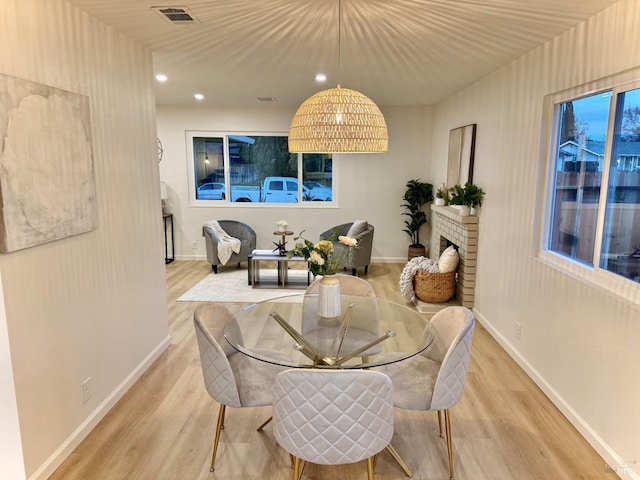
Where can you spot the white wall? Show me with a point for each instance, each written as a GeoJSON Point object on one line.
{"type": "Point", "coordinates": [11, 465]}
{"type": "Point", "coordinates": [92, 305]}
{"type": "Point", "coordinates": [370, 187]}
{"type": "Point", "coordinates": [579, 341]}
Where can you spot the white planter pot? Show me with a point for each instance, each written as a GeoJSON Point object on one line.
{"type": "Point", "coordinates": [464, 210]}
{"type": "Point", "coordinates": [439, 201]}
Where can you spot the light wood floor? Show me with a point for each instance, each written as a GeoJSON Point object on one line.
{"type": "Point", "coordinates": [503, 428]}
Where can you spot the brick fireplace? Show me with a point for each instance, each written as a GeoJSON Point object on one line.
{"type": "Point", "coordinates": [447, 228]}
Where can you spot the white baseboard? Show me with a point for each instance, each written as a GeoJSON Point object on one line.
{"type": "Point", "coordinates": [388, 260]}
{"type": "Point", "coordinates": [65, 449]}
{"type": "Point", "coordinates": [373, 259]}
{"type": "Point", "coordinates": [611, 460]}
{"type": "Point", "coordinates": [191, 257]}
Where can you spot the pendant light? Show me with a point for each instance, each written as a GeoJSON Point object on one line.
{"type": "Point", "coordinates": [338, 120]}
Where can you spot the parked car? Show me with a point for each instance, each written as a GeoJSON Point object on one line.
{"type": "Point", "coordinates": [211, 191]}
{"type": "Point", "coordinates": [280, 190]}
{"type": "Point", "coordinates": [245, 193]}
{"type": "Point", "coordinates": [272, 190]}
{"type": "Point", "coordinates": [318, 192]}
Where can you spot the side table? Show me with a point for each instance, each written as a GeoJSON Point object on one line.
{"type": "Point", "coordinates": [283, 280]}
{"type": "Point", "coordinates": [167, 218]}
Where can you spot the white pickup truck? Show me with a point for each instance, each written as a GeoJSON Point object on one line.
{"type": "Point", "coordinates": [272, 190]}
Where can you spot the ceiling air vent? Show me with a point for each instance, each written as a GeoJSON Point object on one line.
{"type": "Point", "coordinates": [267, 99]}
{"type": "Point", "coordinates": [176, 15]}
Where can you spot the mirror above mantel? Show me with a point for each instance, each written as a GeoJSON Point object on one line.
{"type": "Point", "coordinates": [462, 147]}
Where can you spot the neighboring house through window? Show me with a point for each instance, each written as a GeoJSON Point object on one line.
{"type": "Point", "coordinates": [592, 214]}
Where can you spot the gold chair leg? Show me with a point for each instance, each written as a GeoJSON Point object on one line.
{"type": "Point", "coordinates": [224, 413]}
{"type": "Point", "coordinates": [219, 427]}
{"type": "Point", "coordinates": [440, 422]}
{"type": "Point", "coordinates": [259, 429]}
{"type": "Point", "coordinates": [447, 424]}
{"type": "Point", "coordinates": [370, 466]}
{"type": "Point", "coordinates": [399, 461]}
{"type": "Point", "coordinates": [298, 465]}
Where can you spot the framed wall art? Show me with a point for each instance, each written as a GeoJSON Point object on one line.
{"type": "Point", "coordinates": [462, 146]}
{"type": "Point", "coordinates": [47, 184]}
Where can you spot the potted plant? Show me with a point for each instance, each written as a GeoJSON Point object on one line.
{"type": "Point", "coordinates": [457, 197]}
{"type": "Point", "coordinates": [417, 194]}
{"type": "Point", "coordinates": [442, 195]}
{"type": "Point", "coordinates": [466, 197]}
{"type": "Point", "coordinates": [474, 195]}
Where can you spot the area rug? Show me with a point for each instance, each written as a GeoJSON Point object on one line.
{"type": "Point", "coordinates": [231, 286]}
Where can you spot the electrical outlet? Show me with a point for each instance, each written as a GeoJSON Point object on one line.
{"type": "Point", "coordinates": [86, 390]}
{"type": "Point", "coordinates": [194, 245]}
{"type": "Point", "coordinates": [518, 330]}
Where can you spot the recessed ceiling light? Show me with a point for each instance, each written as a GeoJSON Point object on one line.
{"type": "Point", "coordinates": [321, 77]}
{"type": "Point", "coordinates": [161, 77]}
{"type": "Point", "coordinates": [198, 96]}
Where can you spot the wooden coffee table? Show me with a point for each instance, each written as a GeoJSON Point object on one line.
{"type": "Point", "coordinates": [258, 278]}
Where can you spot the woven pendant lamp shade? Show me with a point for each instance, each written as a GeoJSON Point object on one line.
{"type": "Point", "coordinates": [338, 120]}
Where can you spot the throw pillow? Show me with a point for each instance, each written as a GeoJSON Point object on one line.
{"type": "Point", "coordinates": [358, 227]}
{"type": "Point", "coordinates": [448, 261]}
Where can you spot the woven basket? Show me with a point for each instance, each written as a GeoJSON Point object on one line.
{"type": "Point", "coordinates": [434, 287]}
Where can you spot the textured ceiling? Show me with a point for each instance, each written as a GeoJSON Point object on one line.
{"type": "Point", "coordinates": [398, 52]}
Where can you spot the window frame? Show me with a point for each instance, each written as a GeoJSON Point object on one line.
{"type": "Point", "coordinates": [592, 274]}
{"type": "Point", "coordinates": [226, 202]}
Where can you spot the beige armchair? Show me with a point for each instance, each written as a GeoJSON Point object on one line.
{"type": "Point", "coordinates": [239, 230]}
{"type": "Point", "coordinates": [363, 233]}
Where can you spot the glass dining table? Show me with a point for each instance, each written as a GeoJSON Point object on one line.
{"type": "Point", "coordinates": [370, 332]}
{"type": "Point", "coordinates": [288, 331]}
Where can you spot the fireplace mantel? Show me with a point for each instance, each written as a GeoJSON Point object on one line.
{"type": "Point", "coordinates": [449, 227]}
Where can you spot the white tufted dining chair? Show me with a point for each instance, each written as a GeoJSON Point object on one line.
{"type": "Point", "coordinates": [435, 380]}
{"type": "Point", "coordinates": [231, 378]}
{"type": "Point", "coordinates": [332, 417]}
{"type": "Point", "coordinates": [349, 285]}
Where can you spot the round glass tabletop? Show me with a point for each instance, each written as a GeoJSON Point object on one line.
{"type": "Point", "coordinates": [288, 331]}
